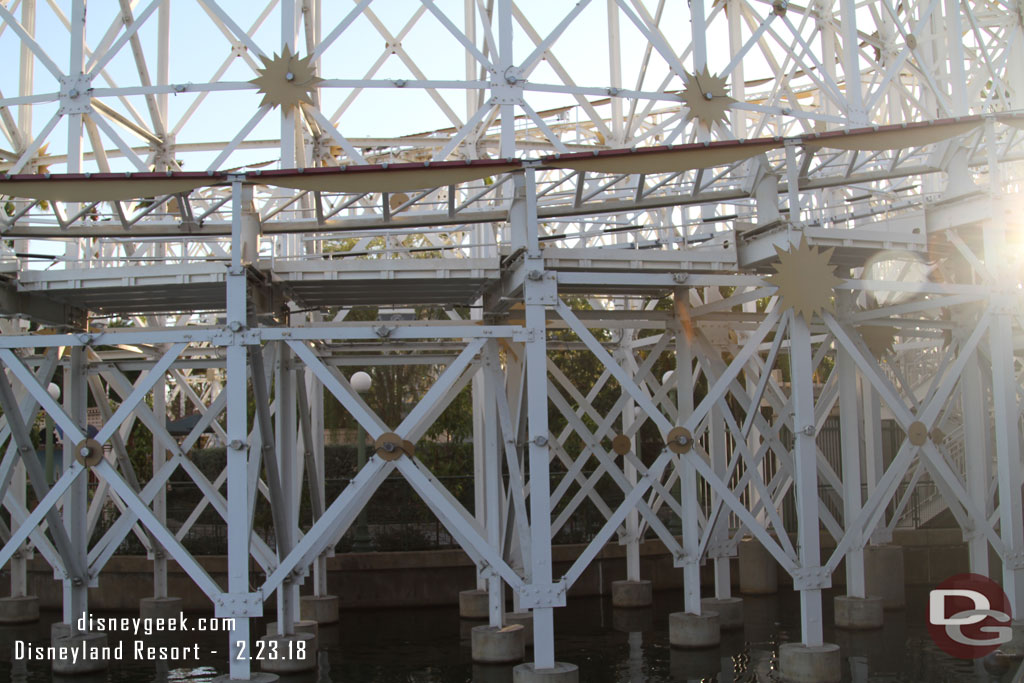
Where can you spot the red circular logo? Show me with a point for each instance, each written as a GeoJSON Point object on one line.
{"type": "Point", "coordinates": [969, 616]}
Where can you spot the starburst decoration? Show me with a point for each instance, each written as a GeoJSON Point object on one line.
{"type": "Point", "coordinates": [879, 339]}
{"type": "Point", "coordinates": [704, 95]}
{"type": "Point", "coordinates": [286, 80]}
{"type": "Point", "coordinates": [805, 279]}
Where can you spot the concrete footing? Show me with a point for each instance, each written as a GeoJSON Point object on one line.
{"type": "Point", "coordinates": [160, 608]}
{"type": "Point", "coordinates": [730, 611]}
{"type": "Point", "coordinates": [799, 663]}
{"type": "Point", "coordinates": [323, 609]}
{"type": "Point", "coordinates": [91, 662]}
{"type": "Point", "coordinates": [524, 619]}
{"type": "Point", "coordinates": [20, 610]}
{"type": "Point", "coordinates": [632, 593]}
{"type": "Point", "coordinates": [493, 645]}
{"type": "Point", "coordinates": [296, 652]}
{"type": "Point", "coordinates": [759, 571]}
{"type": "Point", "coordinates": [492, 673]}
{"type": "Point", "coordinates": [858, 613]}
{"type": "Point", "coordinates": [255, 677]}
{"type": "Point", "coordinates": [559, 673]}
{"type": "Point", "coordinates": [473, 604]}
{"type": "Point", "coordinates": [883, 575]}
{"type": "Point", "coordinates": [694, 631]}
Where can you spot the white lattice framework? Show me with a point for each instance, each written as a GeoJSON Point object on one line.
{"type": "Point", "coordinates": [536, 172]}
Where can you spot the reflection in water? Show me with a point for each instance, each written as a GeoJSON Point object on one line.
{"type": "Point", "coordinates": [609, 646]}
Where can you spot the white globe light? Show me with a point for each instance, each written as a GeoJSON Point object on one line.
{"type": "Point", "coordinates": [54, 391]}
{"type": "Point", "coordinates": [668, 377]}
{"type": "Point", "coordinates": [360, 381]}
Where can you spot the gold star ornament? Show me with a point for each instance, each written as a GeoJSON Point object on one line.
{"type": "Point", "coordinates": [805, 279]}
{"type": "Point", "coordinates": [880, 339]}
{"type": "Point", "coordinates": [286, 80]}
{"type": "Point", "coordinates": [704, 95]}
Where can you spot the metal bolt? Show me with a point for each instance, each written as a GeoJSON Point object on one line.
{"type": "Point", "coordinates": [84, 452]}
{"type": "Point", "coordinates": [73, 93]}
{"type": "Point", "coordinates": [235, 326]}
{"type": "Point", "coordinates": [289, 76]}
{"type": "Point", "coordinates": [77, 581]}
{"type": "Point", "coordinates": [511, 79]}
{"type": "Point", "coordinates": [388, 447]}
{"type": "Point", "coordinates": [683, 440]}
{"type": "Point", "coordinates": [708, 96]}
{"type": "Point", "coordinates": [236, 444]}
{"type": "Point", "coordinates": [541, 441]}
{"type": "Point", "coordinates": [535, 275]}
{"type": "Point", "coordinates": [808, 430]}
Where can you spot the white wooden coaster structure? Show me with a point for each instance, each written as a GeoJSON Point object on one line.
{"type": "Point", "coordinates": [800, 212]}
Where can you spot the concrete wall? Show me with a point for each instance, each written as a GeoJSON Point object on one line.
{"type": "Point", "coordinates": [404, 579]}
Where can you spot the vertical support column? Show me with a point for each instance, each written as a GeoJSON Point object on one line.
{"type": "Point", "coordinates": [288, 32]}
{"type": "Point", "coordinates": [76, 32]}
{"type": "Point", "coordinates": [812, 659]}
{"type": "Point", "coordinates": [699, 626]}
{"type": "Point", "coordinates": [683, 380]}
{"type": "Point", "coordinates": [492, 479]}
{"type": "Point", "coordinates": [237, 450]}
{"type": "Point", "coordinates": [720, 534]}
{"type": "Point", "coordinates": [849, 427]}
{"type": "Point", "coordinates": [316, 420]}
{"type": "Point", "coordinates": [505, 76]}
{"type": "Point", "coordinates": [76, 591]}
{"type": "Point", "coordinates": [634, 591]}
{"type": "Point", "coordinates": [469, 29]}
{"type": "Point", "coordinates": [1005, 406]}
{"type": "Point", "coordinates": [633, 516]}
{"type": "Point", "coordinates": [734, 14]}
{"type": "Point", "coordinates": [479, 456]}
{"type": "Point", "coordinates": [850, 439]}
{"type": "Point", "coordinates": [19, 561]}
{"type": "Point", "coordinates": [856, 609]}
{"type": "Point", "coordinates": [540, 290]}
{"type": "Point", "coordinates": [805, 473]}
{"type": "Point", "coordinates": [851, 61]}
{"type": "Point", "coordinates": [874, 453]}
{"type": "Point", "coordinates": [1006, 415]}
{"type": "Point", "coordinates": [615, 70]}
{"type": "Point", "coordinates": [285, 435]}
{"type": "Point", "coordinates": [160, 500]}
{"type": "Point", "coordinates": [537, 421]}
{"type": "Point", "coordinates": [698, 34]}
{"type": "Point", "coordinates": [977, 457]}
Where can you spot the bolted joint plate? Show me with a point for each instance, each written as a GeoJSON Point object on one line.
{"type": "Point", "coordinates": [683, 559]}
{"type": "Point", "coordinates": [75, 94]}
{"type": "Point", "coordinates": [716, 550]}
{"type": "Point", "coordinates": [543, 291]}
{"type": "Point", "coordinates": [811, 578]}
{"type": "Point", "coordinates": [239, 605]}
{"type": "Point", "coordinates": [541, 595]}
{"type": "Point", "coordinates": [1013, 560]}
